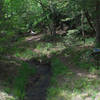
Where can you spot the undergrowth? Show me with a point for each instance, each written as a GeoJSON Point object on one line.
{"type": "Point", "coordinates": [20, 81]}
{"type": "Point", "coordinates": [58, 68]}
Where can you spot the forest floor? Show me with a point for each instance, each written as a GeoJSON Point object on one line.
{"type": "Point", "coordinates": [64, 70]}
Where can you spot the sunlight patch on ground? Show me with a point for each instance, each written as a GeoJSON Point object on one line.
{"type": "Point", "coordinates": [68, 95]}
{"type": "Point", "coordinates": [75, 84]}
{"type": "Point", "coordinates": [87, 75]}
{"type": "Point", "coordinates": [33, 38]}
{"type": "Point", "coordinates": [41, 49]}
{"type": "Point", "coordinates": [6, 96]}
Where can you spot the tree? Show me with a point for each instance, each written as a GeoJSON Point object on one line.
{"type": "Point", "coordinates": [92, 7]}
{"type": "Point", "coordinates": [98, 23]}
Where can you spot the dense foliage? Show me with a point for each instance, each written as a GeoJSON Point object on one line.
{"type": "Point", "coordinates": [63, 35]}
{"type": "Point", "coordinates": [18, 16]}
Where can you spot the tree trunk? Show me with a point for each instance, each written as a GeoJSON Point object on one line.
{"type": "Point", "coordinates": [98, 23]}
{"type": "Point", "coordinates": [1, 8]}
{"type": "Point", "coordinates": [53, 18]}
{"type": "Point", "coordinates": [82, 25]}
{"type": "Point", "coordinates": [54, 30]}
{"type": "Point", "coordinates": [89, 20]}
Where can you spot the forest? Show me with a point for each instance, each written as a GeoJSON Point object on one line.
{"type": "Point", "coordinates": [49, 49]}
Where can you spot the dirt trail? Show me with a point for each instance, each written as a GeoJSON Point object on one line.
{"type": "Point", "coordinates": [38, 84]}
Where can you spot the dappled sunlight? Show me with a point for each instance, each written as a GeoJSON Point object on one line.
{"type": "Point", "coordinates": [76, 83]}
{"type": "Point", "coordinates": [81, 89]}
{"type": "Point", "coordinates": [70, 81]}
{"type": "Point", "coordinates": [39, 49]}
{"type": "Point", "coordinates": [4, 92]}
{"type": "Point", "coordinates": [6, 96]}
{"type": "Point", "coordinates": [34, 38]}
{"type": "Point", "coordinates": [87, 75]}
{"type": "Point", "coordinates": [63, 93]}
{"type": "Point", "coordinates": [66, 94]}
{"type": "Point", "coordinates": [49, 50]}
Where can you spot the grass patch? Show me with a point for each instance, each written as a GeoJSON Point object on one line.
{"type": "Point", "coordinates": [72, 86]}
{"type": "Point", "coordinates": [66, 85]}
{"type": "Point", "coordinates": [58, 68]}
{"type": "Point", "coordinates": [27, 54]}
{"type": "Point", "coordinates": [84, 59]}
{"type": "Point", "coordinates": [20, 81]}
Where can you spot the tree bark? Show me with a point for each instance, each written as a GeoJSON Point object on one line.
{"type": "Point", "coordinates": [1, 7]}
{"type": "Point", "coordinates": [82, 25]}
{"type": "Point", "coordinates": [89, 20]}
{"type": "Point", "coordinates": [54, 30]}
{"type": "Point", "coordinates": [53, 18]}
{"type": "Point", "coordinates": [98, 23]}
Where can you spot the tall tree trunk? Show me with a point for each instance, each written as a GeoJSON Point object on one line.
{"type": "Point", "coordinates": [1, 8]}
{"type": "Point", "coordinates": [82, 25]}
{"type": "Point", "coordinates": [52, 29]}
{"type": "Point", "coordinates": [98, 23]}
{"type": "Point", "coordinates": [53, 18]}
{"type": "Point", "coordinates": [89, 20]}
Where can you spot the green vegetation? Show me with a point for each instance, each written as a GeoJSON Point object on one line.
{"type": "Point", "coordinates": [79, 82]}
{"type": "Point", "coordinates": [63, 34]}
{"type": "Point", "coordinates": [58, 68]}
{"type": "Point", "coordinates": [20, 81]}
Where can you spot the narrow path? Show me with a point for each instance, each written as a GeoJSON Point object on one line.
{"type": "Point", "coordinates": [38, 84]}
